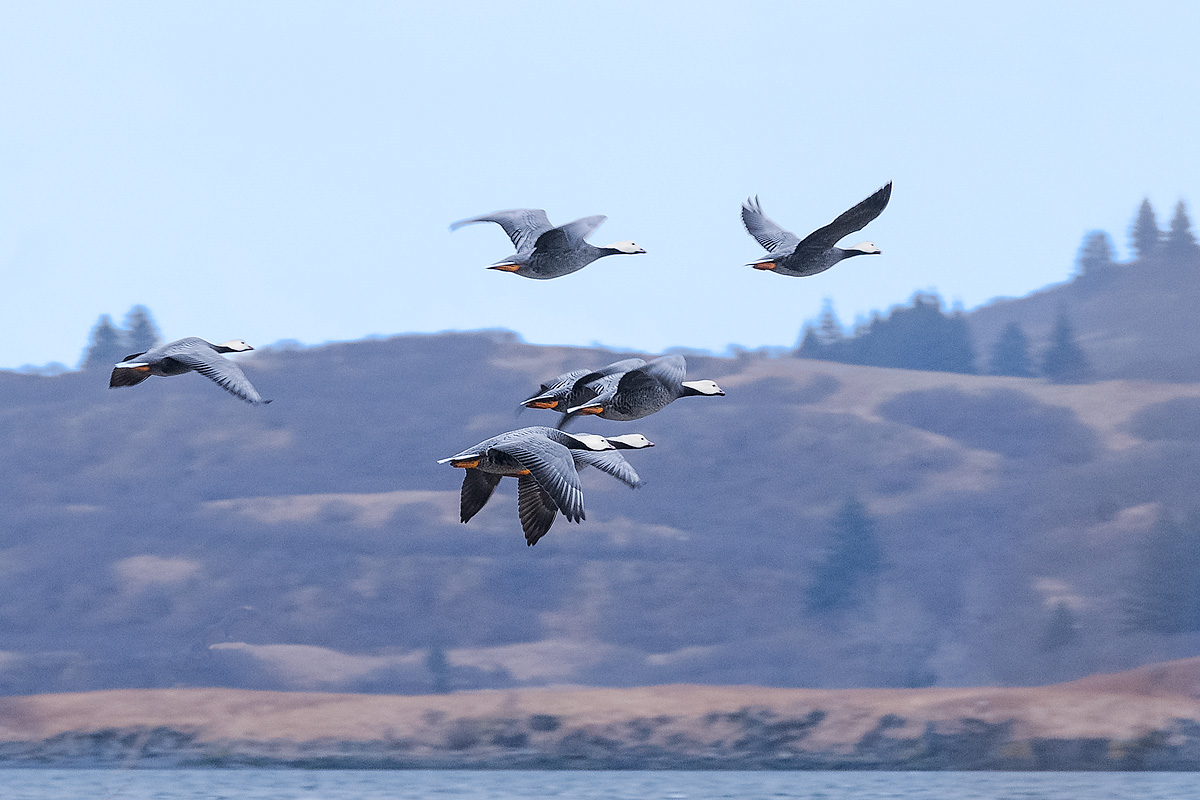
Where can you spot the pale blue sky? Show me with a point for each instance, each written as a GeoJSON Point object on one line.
{"type": "Point", "coordinates": [288, 170]}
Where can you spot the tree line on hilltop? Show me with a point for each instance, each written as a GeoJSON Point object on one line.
{"type": "Point", "coordinates": [923, 336]}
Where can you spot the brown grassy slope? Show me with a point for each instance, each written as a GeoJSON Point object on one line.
{"type": "Point", "coordinates": [1118, 706]}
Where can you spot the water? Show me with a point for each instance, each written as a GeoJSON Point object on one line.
{"type": "Point", "coordinates": [60, 784]}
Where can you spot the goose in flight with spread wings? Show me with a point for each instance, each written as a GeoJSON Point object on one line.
{"type": "Point", "coordinates": [192, 354]}
{"type": "Point", "coordinates": [567, 389]}
{"type": "Point", "coordinates": [546, 464]}
{"type": "Point", "coordinates": [545, 251]}
{"type": "Point", "coordinates": [642, 391]}
{"type": "Point", "coordinates": [788, 254]}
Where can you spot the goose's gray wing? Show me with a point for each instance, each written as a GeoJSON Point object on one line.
{"type": "Point", "coordinates": [623, 365]}
{"type": "Point", "coordinates": [535, 508]}
{"type": "Point", "coordinates": [668, 371]}
{"type": "Point", "coordinates": [853, 220]}
{"type": "Point", "coordinates": [591, 388]}
{"type": "Point", "coordinates": [190, 344]}
{"type": "Point", "coordinates": [477, 488]}
{"type": "Point", "coordinates": [561, 384]}
{"type": "Point", "coordinates": [551, 466]}
{"type": "Point", "coordinates": [523, 225]}
{"type": "Point", "coordinates": [569, 236]}
{"type": "Point", "coordinates": [222, 371]}
{"type": "Point", "coordinates": [774, 238]}
{"type": "Point", "coordinates": [609, 461]}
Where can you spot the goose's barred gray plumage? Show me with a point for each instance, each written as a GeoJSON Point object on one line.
{"type": "Point", "coordinates": [642, 391]}
{"type": "Point", "coordinates": [817, 252]}
{"type": "Point", "coordinates": [577, 386]}
{"type": "Point", "coordinates": [546, 462]}
{"type": "Point", "coordinates": [192, 354]}
{"type": "Point", "coordinates": [545, 251]}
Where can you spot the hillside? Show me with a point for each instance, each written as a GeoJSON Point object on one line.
{"type": "Point", "coordinates": [1136, 320]}
{"type": "Point", "coordinates": [1103, 722]}
{"type": "Point", "coordinates": [168, 536]}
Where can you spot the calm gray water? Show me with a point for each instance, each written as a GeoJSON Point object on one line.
{"type": "Point", "coordinates": [57, 784]}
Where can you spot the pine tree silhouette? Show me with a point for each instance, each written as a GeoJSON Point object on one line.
{"type": "Point", "coordinates": [106, 345]}
{"type": "Point", "coordinates": [1061, 630]}
{"type": "Point", "coordinates": [829, 327]}
{"type": "Point", "coordinates": [1064, 360]}
{"type": "Point", "coordinates": [141, 332]}
{"type": "Point", "coordinates": [1180, 245]}
{"type": "Point", "coordinates": [1010, 353]}
{"type": "Point", "coordinates": [853, 561]}
{"type": "Point", "coordinates": [1165, 596]}
{"type": "Point", "coordinates": [823, 339]}
{"type": "Point", "coordinates": [1096, 259]}
{"type": "Point", "coordinates": [438, 664]}
{"type": "Point", "coordinates": [1144, 235]}
{"type": "Point", "coordinates": [810, 344]}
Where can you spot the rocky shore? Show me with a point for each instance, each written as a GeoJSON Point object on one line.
{"type": "Point", "coordinates": [1147, 719]}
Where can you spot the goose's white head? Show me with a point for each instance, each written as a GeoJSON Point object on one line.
{"type": "Point", "coordinates": [233, 346]}
{"type": "Point", "coordinates": [630, 441]}
{"type": "Point", "coordinates": [867, 248]}
{"type": "Point", "coordinates": [631, 248]}
{"type": "Point", "coordinates": [593, 441]}
{"type": "Point", "coordinates": [703, 387]}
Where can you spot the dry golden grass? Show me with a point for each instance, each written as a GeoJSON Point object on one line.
{"type": "Point", "coordinates": [1119, 707]}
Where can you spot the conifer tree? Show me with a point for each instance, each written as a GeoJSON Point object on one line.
{"type": "Point", "coordinates": [810, 344]}
{"type": "Point", "coordinates": [1061, 630]}
{"type": "Point", "coordinates": [1165, 588]}
{"type": "Point", "coordinates": [1010, 353]}
{"type": "Point", "coordinates": [106, 345]}
{"type": "Point", "coordinates": [852, 562]}
{"type": "Point", "coordinates": [1145, 236]}
{"type": "Point", "coordinates": [1096, 258]}
{"type": "Point", "coordinates": [141, 333]}
{"type": "Point", "coordinates": [438, 665]}
{"type": "Point", "coordinates": [1180, 245]}
{"type": "Point", "coordinates": [1064, 360]}
{"type": "Point", "coordinates": [824, 339]}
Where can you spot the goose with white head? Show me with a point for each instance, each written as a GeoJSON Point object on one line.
{"type": "Point", "coordinates": [817, 252]}
{"type": "Point", "coordinates": [574, 387]}
{"type": "Point", "coordinates": [545, 251]}
{"type": "Point", "coordinates": [546, 464]}
{"type": "Point", "coordinates": [643, 391]}
{"type": "Point", "coordinates": [192, 354]}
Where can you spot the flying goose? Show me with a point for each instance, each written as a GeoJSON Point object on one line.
{"type": "Point", "coordinates": [569, 388]}
{"type": "Point", "coordinates": [642, 391]}
{"type": "Point", "coordinates": [545, 251]}
{"type": "Point", "coordinates": [789, 255]}
{"type": "Point", "coordinates": [536, 508]}
{"type": "Point", "coordinates": [188, 355]}
{"type": "Point", "coordinates": [545, 462]}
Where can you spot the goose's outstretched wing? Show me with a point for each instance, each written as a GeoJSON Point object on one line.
{"type": "Point", "coordinates": [535, 508]}
{"type": "Point", "coordinates": [477, 488]}
{"type": "Point", "coordinates": [853, 220]}
{"type": "Point", "coordinates": [569, 236]}
{"type": "Point", "coordinates": [774, 238]}
{"type": "Point", "coordinates": [551, 389]}
{"type": "Point", "coordinates": [666, 372]}
{"type": "Point", "coordinates": [222, 371]}
{"type": "Point", "coordinates": [523, 225]}
{"type": "Point", "coordinates": [609, 461]}
{"type": "Point", "coordinates": [552, 467]}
